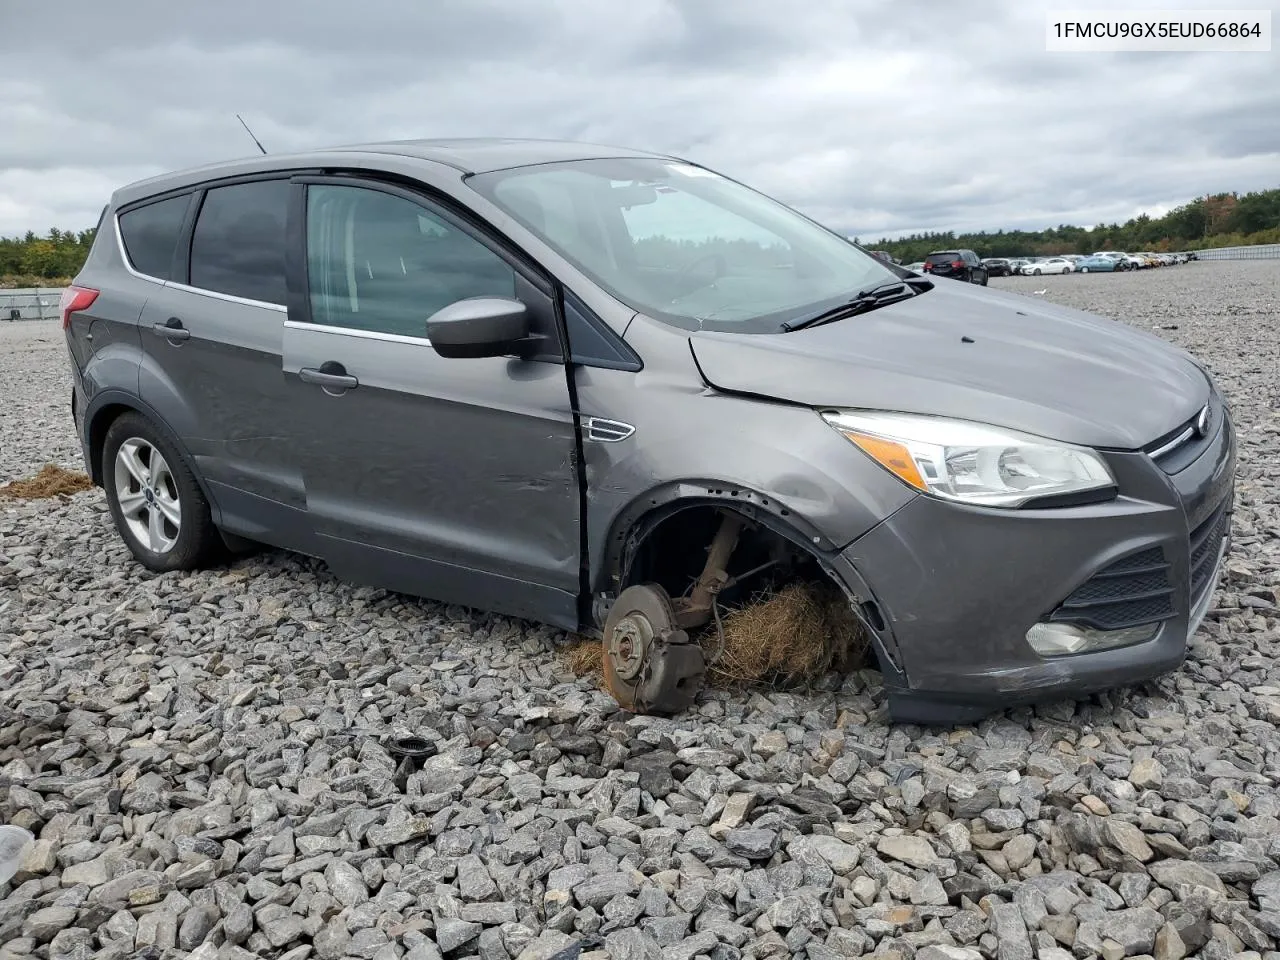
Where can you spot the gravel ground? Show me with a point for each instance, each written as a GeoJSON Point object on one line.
{"type": "Point", "coordinates": [202, 759]}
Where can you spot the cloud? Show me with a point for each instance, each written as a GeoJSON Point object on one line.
{"type": "Point", "coordinates": [877, 117]}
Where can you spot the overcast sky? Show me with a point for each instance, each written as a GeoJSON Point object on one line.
{"type": "Point", "coordinates": [875, 116]}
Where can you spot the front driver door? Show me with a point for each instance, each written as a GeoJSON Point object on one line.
{"type": "Point", "coordinates": [453, 479]}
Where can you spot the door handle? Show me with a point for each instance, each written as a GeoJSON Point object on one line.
{"type": "Point", "coordinates": [330, 375]}
{"type": "Point", "coordinates": [171, 329]}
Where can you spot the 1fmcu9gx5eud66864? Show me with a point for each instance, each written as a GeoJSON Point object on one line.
{"type": "Point", "coordinates": [609, 390]}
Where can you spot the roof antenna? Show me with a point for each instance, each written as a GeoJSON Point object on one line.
{"type": "Point", "coordinates": [250, 133]}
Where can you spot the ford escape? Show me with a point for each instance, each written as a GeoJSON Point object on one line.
{"type": "Point", "coordinates": [610, 390]}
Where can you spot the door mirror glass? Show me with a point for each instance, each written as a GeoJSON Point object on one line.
{"type": "Point", "coordinates": [480, 327]}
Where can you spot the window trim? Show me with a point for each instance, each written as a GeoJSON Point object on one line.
{"type": "Point", "coordinates": [178, 242]}
{"type": "Point", "coordinates": [458, 214]}
{"type": "Point", "coordinates": [182, 252]}
{"type": "Point", "coordinates": [448, 208]}
{"type": "Point", "coordinates": [431, 201]}
{"type": "Point", "coordinates": [189, 239]}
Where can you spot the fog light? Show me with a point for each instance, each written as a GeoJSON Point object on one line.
{"type": "Point", "coordinates": [1062, 639]}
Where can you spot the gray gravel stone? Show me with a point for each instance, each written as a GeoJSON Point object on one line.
{"type": "Point", "coordinates": [752, 844]}
{"type": "Point", "coordinates": [214, 745]}
{"type": "Point", "coordinates": [915, 851]}
{"type": "Point", "coordinates": [452, 933]}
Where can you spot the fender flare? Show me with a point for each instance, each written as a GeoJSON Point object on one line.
{"type": "Point", "coordinates": [638, 518]}
{"type": "Point", "coordinates": [96, 427]}
{"type": "Point", "coordinates": [643, 514]}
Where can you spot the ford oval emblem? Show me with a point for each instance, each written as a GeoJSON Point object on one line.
{"type": "Point", "coordinates": [1202, 422]}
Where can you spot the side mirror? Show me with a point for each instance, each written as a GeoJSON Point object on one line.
{"type": "Point", "coordinates": [479, 327]}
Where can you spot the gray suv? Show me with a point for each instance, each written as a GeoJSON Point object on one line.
{"type": "Point", "coordinates": [616, 392]}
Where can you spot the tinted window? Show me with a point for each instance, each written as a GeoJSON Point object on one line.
{"type": "Point", "coordinates": [945, 257]}
{"type": "Point", "coordinates": [239, 241]}
{"type": "Point", "coordinates": [380, 262]}
{"type": "Point", "coordinates": [150, 235]}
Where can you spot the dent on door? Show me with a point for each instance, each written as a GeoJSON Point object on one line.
{"type": "Point", "coordinates": [464, 464]}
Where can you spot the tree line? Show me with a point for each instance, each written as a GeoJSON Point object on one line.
{"type": "Point", "coordinates": [1221, 220]}
{"type": "Point", "coordinates": [33, 261]}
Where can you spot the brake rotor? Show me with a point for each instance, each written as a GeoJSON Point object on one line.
{"type": "Point", "coordinates": [650, 665]}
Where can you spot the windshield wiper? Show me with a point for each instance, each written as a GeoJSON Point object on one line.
{"type": "Point", "coordinates": [880, 295]}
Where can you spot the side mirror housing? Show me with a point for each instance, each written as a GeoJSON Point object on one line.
{"type": "Point", "coordinates": [480, 327]}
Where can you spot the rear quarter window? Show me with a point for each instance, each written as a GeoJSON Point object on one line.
{"type": "Point", "coordinates": [150, 234]}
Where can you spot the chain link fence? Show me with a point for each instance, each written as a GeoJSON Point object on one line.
{"type": "Point", "coordinates": [30, 303]}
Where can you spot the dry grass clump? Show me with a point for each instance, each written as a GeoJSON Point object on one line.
{"type": "Point", "coordinates": [793, 635]}
{"type": "Point", "coordinates": [51, 481]}
{"type": "Point", "coordinates": [584, 658]}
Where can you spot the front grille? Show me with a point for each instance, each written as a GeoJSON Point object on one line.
{"type": "Point", "coordinates": [1206, 540]}
{"type": "Point", "coordinates": [1132, 591]}
{"type": "Point", "coordinates": [1180, 447]}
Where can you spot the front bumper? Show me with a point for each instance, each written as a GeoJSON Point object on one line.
{"type": "Point", "coordinates": [957, 588]}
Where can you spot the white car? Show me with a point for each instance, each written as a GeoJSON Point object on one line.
{"type": "Point", "coordinates": [917, 267]}
{"type": "Point", "coordinates": [1052, 265]}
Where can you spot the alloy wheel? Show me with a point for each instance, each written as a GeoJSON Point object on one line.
{"type": "Point", "coordinates": [147, 494]}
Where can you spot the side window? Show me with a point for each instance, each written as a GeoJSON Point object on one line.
{"type": "Point", "coordinates": [238, 245]}
{"type": "Point", "coordinates": [150, 235]}
{"type": "Point", "coordinates": [383, 263]}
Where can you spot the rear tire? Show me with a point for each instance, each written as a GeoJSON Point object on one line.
{"type": "Point", "coordinates": [157, 505]}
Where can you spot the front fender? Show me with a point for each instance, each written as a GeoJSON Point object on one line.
{"type": "Point", "coordinates": [780, 461]}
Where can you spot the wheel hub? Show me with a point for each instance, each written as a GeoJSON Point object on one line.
{"type": "Point", "coordinates": [650, 665]}
{"type": "Point", "coordinates": [632, 639]}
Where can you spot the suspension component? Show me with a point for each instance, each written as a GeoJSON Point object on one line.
{"type": "Point", "coordinates": [650, 664]}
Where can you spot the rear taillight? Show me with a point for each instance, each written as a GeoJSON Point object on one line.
{"type": "Point", "coordinates": [957, 264]}
{"type": "Point", "coordinates": [75, 299]}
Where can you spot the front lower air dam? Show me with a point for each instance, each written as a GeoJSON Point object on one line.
{"type": "Point", "coordinates": [1064, 639]}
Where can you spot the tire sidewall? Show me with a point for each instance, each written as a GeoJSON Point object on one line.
{"type": "Point", "coordinates": [192, 537]}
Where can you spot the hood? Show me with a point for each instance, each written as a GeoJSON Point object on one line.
{"type": "Point", "coordinates": [1032, 366]}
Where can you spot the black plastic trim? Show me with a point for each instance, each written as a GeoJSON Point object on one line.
{"type": "Point", "coordinates": [592, 343]}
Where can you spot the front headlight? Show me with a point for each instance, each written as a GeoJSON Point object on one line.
{"type": "Point", "coordinates": [971, 462]}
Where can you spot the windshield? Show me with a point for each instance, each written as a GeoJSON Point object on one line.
{"type": "Point", "coordinates": [683, 244]}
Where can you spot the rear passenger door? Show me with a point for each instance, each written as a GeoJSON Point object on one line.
{"type": "Point", "coordinates": [212, 338]}
{"type": "Point", "coordinates": [454, 479]}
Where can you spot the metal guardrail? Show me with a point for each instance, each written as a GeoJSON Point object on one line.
{"type": "Point", "coordinates": [30, 303]}
{"type": "Point", "coordinates": [1261, 251]}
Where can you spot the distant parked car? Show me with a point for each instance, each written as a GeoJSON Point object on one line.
{"type": "Point", "coordinates": [1119, 256]}
{"type": "Point", "coordinates": [884, 255]}
{"type": "Point", "coordinates": [957, 264]}
{"type": "Point", "coordinates": [1051, 265]}
{"type": "Point", "coordinates": [998, 267]}
{"type": "Point", "coordinates": [917, 267]}
{"type": "Point", "coordinates": [1017, 264]}
{"type": "Point", "coordinates": [1098, 264]}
